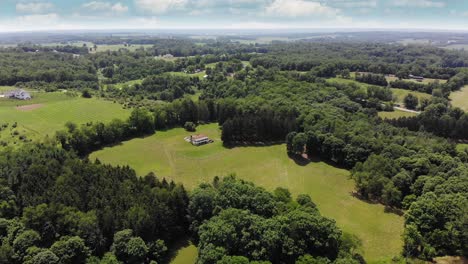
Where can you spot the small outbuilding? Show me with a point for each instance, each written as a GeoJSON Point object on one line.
{"type": "Point", "coordinates": [198, 140]}
{"type": "Point", "coordinates": [417, 78]}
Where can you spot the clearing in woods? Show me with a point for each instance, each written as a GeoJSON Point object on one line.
{"type": "Point", "coordinates": [398, 94]}
{"type": "Point", "coordinates": [168, 155]}
{"type": "Point", "coordinates": [395, 114]}
{"type": "Point", "coordinates": [460, 98]}
{"type": "Point", "coordinates": [47, 113]}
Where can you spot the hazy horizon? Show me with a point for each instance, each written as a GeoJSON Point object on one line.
{"type": "Point", "coordinates": [53, 15]}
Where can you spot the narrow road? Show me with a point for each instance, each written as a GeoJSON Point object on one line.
{"type": "Point", "coordinates": [406, 110]}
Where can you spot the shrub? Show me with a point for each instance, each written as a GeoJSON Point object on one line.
{"type": "Point", "coordinates": [190, 126]}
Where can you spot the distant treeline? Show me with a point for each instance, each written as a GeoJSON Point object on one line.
{"type": "Point", "coordinates": [425, 61]}
{"type": "Point", "coordinates": [73, 49]}
{"type": "Point", "coordinates": [369, 78]}
{"type": "Point", "coordinates": [55, 69]}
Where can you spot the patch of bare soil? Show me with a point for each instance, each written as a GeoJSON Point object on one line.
{"type": "Point", "coordinates": [451, 260]}
{"type": "Point", "coordinates": [29, 107]}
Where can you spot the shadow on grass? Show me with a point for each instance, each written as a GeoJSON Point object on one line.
{"type": "Point", "coordinates": [387, 209]}
{"type": "Point", "coordinates": [243, 144]}
{"type": "Point", "coordinates": [299, 159]}
{"type": "Point", "coordinates": [392, 210]}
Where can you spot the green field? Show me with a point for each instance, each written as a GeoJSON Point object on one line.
{"type": "Point", "coordinates": [117, 47]}
{"type": "Point", "coordinates": [129, 83]}
{"type": "Point", "coordinates": [51, 111]}
{"type": "Point", "coordinates": [460, 98]}
{"type": "Point", "coordinates": [399, 95]}
{"type": "Point", "coordinates": [425, 81]}
{"type": "Point", "coordinates": [457, 47]}
{"type": "Point", "coordinates": [200, 75]}
{"type": "Point", "coordinates": [395, 114]}
{"type": "Point", "coordinates": [168, 155]}
{"type": "Point", "coordinates": [412, 41]}
{"type": "Point", "coordinates": [185, 255]}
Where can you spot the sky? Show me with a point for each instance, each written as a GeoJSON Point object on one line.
{"type": "Point", "coordinates": [31, 15]}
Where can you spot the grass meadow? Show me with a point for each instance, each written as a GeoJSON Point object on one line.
{"type": "Point", "coordinates": [460, 98]}
{"type": "Point", "coordinates": [117, 47]}
{"type": "Point", "coordinates": [399, 95]}
{"type": "Point", "coordinates": [169, 156]}
{"type": "Point", "coordinates": [48, 112]}
{"type": "Point", "coordinates": [425, 81]}
{"type": "Point", "coordinates": [395, 114]}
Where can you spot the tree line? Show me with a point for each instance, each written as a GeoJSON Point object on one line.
{"type": "Point", "coordinates": [46, 69]}
{"type": "Point", "coordinates": [57, 208]}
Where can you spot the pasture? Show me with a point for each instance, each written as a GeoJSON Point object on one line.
{"type": "Point", "coordinates": [48, 112]}
{"type": "Point", "coordinates": [169, 156]}
{"type": "Point", "coordinates": [199, 74]}
{"type": "Point", "coordinates": [425, 81]}
{"type": "Point", "coordinates": [399, 95]}
{"type": "Point", "coordinates": [395, 114]}
{"type": "Point", "coordinates": [129, 83]}
{"type": "Point", "coordinates": [185, 255]}
{"type": "Point", "coordinates": [462, 47]}
{"type": "Point", "coordinates": [460, 98]}
{"type": "Point", "coordinates": [117, 47]}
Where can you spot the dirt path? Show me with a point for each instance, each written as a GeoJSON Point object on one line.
{"type": "Point", "coordinates": [407, 110]}
{"type": "Point", "coordinates": [29, 107]}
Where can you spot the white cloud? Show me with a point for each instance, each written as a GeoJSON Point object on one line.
{"type": "Point", "coordinates": [98, 6]}
{"type": "Point", "coordinates": [160, 6]}
{"type": "Point", "coordinates": [299, 8]}
{"type": "Point", "coordinates": [418, 3]}
{"type": "Point", "coordinates": [119, 8]}
{"type": "Point", "coordinates": [34, 8]}
{"type": "Point", "coordinates": [30, 22]}
{"type": "Point", "coordinates": [354, 3]}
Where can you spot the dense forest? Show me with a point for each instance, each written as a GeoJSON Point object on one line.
{"type": "Point", "coordinates": [59, 207]}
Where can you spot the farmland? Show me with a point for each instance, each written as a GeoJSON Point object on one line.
{"type": "Point", "coordinates": [398, 94]}
{"type": "Point", "coordinates": [425, 81]}
{"type": "Point", "coordinates": [105, 48]}
{"type": "Point", "coordinates": [395, 114]}
{"type": "Point", "coordinates": [50, 113]}
{"type": "Point", "coordinates": [168, 155]}
{"type": "Point", "coordinates": [460, 98]}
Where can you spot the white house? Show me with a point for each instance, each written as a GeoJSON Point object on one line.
{"type": "Point", "coordinates": [19, 94]}
{"type": "Point", "coordinates": [198, 140]}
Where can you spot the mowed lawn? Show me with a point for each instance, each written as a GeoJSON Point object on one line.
{"type": "Point", "coordinates": [395, 114]}
{"type": "Point", "coordinates": [460, 98]}
{"type": "Point", "coordinates": [50, 112]}
{"type": "Point", "coordinates": [168, 155]}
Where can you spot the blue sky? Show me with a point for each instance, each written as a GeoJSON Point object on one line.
{"type": "Point", "coordinates": [17, 15]}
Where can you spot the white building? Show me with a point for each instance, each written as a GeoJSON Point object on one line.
{"type": "Point", "coordinates": [19, 94]}
{"type": "Point", "coordinates": [198, 140]}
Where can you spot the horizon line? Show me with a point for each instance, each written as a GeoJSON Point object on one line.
{"type": "Point", "coordinates": [282, 30]}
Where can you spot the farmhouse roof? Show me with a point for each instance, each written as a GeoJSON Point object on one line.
{"type": "Point", "coordinates": [199, 137]}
